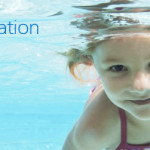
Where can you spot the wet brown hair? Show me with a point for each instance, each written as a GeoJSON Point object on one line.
{"type": "Point", "coordinates": [76, 57]}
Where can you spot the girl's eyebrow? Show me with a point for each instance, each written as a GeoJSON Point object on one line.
{"type": "Point", "coordinates": [112, 60]}
{"type": "Point", "coordinates": [115, 60]}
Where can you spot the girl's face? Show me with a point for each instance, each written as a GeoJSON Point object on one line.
{"type": "Point", "coordinates": [124, 68]}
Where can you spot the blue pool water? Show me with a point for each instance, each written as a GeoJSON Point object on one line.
{"type": "Point", "coordinates": [39, 102]}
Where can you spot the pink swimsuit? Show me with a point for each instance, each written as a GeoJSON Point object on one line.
{"type": "Point", "coordinates": [124, 145]}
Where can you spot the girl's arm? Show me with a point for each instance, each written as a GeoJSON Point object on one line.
{"type": "Point", "coordinates": [78, 139]}
{"type": "Point", "coordinates": [71, 141]}
{"type": "Point", "coordinates": [87, 133]}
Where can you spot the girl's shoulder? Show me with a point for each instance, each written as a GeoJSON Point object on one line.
{"type": "Point", "coordinates": [100, 122]}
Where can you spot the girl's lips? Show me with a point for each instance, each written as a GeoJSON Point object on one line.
{"type": "Point", "coordinates": [141, 102]}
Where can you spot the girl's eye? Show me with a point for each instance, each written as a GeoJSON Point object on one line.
{"type": "Point", "coordinates": [117, 68]}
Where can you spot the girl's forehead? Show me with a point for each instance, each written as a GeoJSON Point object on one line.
{"type": "Point", "coordinates": [125, 50]}
{"type": "Point", "coordinates": [139, 44]}
{"type": "Point", "coordinates": [127, 38]}
{"type": "Point", "coordinates": [118, 35]}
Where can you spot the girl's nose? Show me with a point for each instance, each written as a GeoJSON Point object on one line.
{"type": "Point", "coordinates": [141, 82]}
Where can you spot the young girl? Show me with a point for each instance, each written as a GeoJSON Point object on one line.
{"type": "Point", "coordinates": [117, 114]}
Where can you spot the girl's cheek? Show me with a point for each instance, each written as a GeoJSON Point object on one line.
{"type": "Point", "coordinates": [113, 85]}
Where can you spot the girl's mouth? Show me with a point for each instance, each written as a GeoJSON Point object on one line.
{"type": "Point", "coordinates": [141, 102]}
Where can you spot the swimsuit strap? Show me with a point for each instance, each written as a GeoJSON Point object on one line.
{"type": "Point", "coordinates": [123, 127]}
{"type": "Point", "coordinates": [123, 145]}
